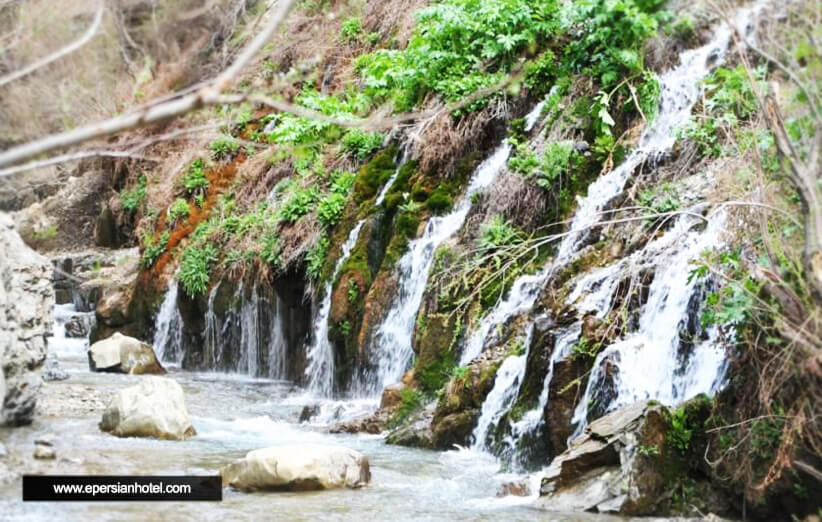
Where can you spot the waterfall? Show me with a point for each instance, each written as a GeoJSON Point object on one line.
{"type": "Point", "coordinates": [679, 90]}
{"type": "Point", "coordinates": [507, 384]}
{"type": "Point", "coordinates": [168, 334]}
{"type": "Point", "coordinates": [646, 364]}
{"type": "Point", "coordinates": [277, 342]}
{"type": "Point", "coordinates": [392, 342]}
{"type": "Point", "coordinates": [319, 372]}
{"type": "Point", "coordinates": [249, 332]}
{"type": "Point", "coordinates": [60, 342]}
{"type": "Point", "coordinates": [211, 333]}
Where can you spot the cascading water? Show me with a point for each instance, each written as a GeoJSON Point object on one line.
{"type": "Point", "coordinates": [392, 342]}
{"type": "Point", "coordinates": [320, 355]}
{"type": "Point", "coordinates": [168, 335]}
{"type": "Point", "coordinates": [679, 91]}
{"type": "Point", "coordinates": [646, 364]}
{"type": "Point", "coordinates": [211, 333]}
{"type": "Point", "coordinates": [60, 343]}
{"type": "Point", "coordinates": [250, 332]}
{"type": "Point", "coordinates": [501, 397]}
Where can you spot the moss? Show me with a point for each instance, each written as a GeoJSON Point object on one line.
{"type": "Point", "coordinates": [439, 202]}
{"type": "Point", "coordinates": [435, 372]}
{"type": "Point", "coordinates": [375, 174]}
{"type": "Point", "coordinates": [436, 360]}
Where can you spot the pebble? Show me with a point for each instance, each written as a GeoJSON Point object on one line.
{"type": "Point", "coordinates": [43, 452]}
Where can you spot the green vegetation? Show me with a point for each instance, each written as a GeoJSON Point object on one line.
{"type": "Point", "coordinates": [224, 146]}
{"type": "Point", "coordinates": [351, 30]}
{"type": "Point", "coordinates": [450, 44]}
{"type": "Point", "coordinates": [195, 269]}
{"type": "Point", "coordinates": [410, 401]}
{"type": "Point", "coordinates": [194, 179]}
{"type": "Point", "coordinates": [315, 258]}
{"type": "Point", "coordinates": [301, 203]}
{"type": "Point", "coordinates": [361, 144]}
{"type": "Point", "coordinates": [133, 199]}
{"type": "Point", "coordinates": [178, 210]}
{"type": "Point", "coordinates": [153, 247]}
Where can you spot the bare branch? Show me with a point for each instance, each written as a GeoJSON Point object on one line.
{"type": "Point", "coordinates": [83, 40]}
{"type": "Point", "coordinates": [207, 95]}
{"type": "Point", "coordinates": [74, 156]}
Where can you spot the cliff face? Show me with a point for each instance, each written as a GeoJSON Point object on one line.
{"type": "Point", "coordinates": [26, 299]}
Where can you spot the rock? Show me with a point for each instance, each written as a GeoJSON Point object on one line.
{"type": "Point", "coordinates": [154, 408]}
{"type": "Point", "coordinates": [52, 370]}
{"type": "Point", "coordinates": [44, 452]}
{"type": "Point", "coordinates": [78, 326]}
{"type": "Point", "coordinates": [374, 424]}
{"type": "Point", "coordinates": [122, 354]}
{"type": "Point", "coordinates": [517, 488]}
{"type": "Point", "coordinates": [26, 298]}
{"type": "Point", "coordinates": [603, 470]}
{"type": "Point", "coordinates": [309, 412]}
{"type": "Point", "coordinates": [416, 434]}
{"type": "Point", "coordinates": [392, 396]}
{"type": "Point", "coordinates": [298, 468]}
{"type": "Point", "coordinates": [3, 451]}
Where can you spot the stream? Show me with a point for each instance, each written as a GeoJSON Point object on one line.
{"type": "Point", "coordinates": [234, 414]}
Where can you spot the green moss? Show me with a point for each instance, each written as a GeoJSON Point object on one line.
{"type": "Point", "coordinates": [411, 401]}
{"type": "Point", "coordinates": [375, 174]}
{"type": "Point", "coordinates": [434, 373]}
{"type": "Point", "coordinates": [439, 202]}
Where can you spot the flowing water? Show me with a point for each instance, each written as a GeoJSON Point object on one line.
{"type": "Point", "coordinates": [234, 414]}
{"type": "Point", "coordinates": [649, 363]}
{"type": "Point", "coordinates": [392, 342]}
{"type": "Point", "coordinates": [320, 354]}
{"type": "Point", "coordinates": [647, 375]}
{"type": "Point", "coordinates": [59, 343]}
{"type": "Point", "coordinates": [168, 335]}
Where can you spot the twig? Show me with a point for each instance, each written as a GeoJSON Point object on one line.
{"type": "Point", "coordinates": [83, 40]}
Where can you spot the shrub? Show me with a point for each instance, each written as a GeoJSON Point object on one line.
{"type": "Point", "coordinates": [153, 248]}
{"type": "Point", "coordinates": [342, 182]}
{"type": "Point", "coordinates": [330, 209]}
{"type": "Point", "coordinates": [178, 210]}
{"type": "Point", "coordinates": [271, 250]}
{"type": "Point", "coordinates": [132, 200]}
{"type": "Point", "coordinates": [195, 268]}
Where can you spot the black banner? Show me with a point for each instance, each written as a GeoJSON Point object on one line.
{"type": "Point", "coordinates": [121, 488]}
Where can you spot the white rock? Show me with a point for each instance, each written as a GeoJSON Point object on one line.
{"type": "Point", "coordinates": [26, 299]}
{"type": "Point", "coordinates": [44, 452]}
{"type": "Point", "coordinates": [298, 468]}
{"type": "Point", "coordinates": [123, 354]}
{"type": "Point", "coordinates": [154, 408]}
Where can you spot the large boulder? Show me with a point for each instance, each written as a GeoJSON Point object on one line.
{"type": "Point", "coordinates": [298, 468]}
{"type": "Point", "coordinates": [154, 408]}
{"type": "Point", "coordinates": [26, 300]}
{"type": "Point", "coordinates": [618, 465]}
{"type": "Point", "coordinates": [122, 354]}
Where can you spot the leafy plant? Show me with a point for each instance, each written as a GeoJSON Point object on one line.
{"type": "Point", "coordinates": [195, 268]}
{"type": "Point", "coordinates": [315, 258]}
{"type": "Point", "coordinates": [224, 146]}
{"type": "Point", "coordinates": [133, 199]}
{"type": "Point", "coordinates": [330, 209]}
{"type": "Point", "coordinates": [681, 432]}
{"type": "Point", "coordinates": [178, 210]}
{"type": "Point", "coordinates": [361, 144]}
{"type": "Point", "coordinates": [353, 290]}
{"type": "Point", "coordinates": [300, 204]}
{"type": "Point", "coordinates": [153, 248]}
{"type": "Point", "coordinates": [351, 29]}
{"type": "Point", "coordinates": [194, 179]}
{"type": "Point", "coordinates": [497, 233]}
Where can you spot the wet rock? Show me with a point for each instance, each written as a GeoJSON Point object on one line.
{"type": "Point", "coordinates": [298, 468]}
{"type": "Point", "coordinates": [123, 354]}
{"type": "Point", "coordinates": [52, 370]}
{"type": "Point", "coordinates": [154, 408]}
{"type": "Point", "coordinates": [518, 488]}
{"type": "Point", "coordinates": [374, 424]}
{"type": "Point", "coordinates": [309, 412]}
{"type": "Point", "coordinates": [26, 298]}
{"type": "Point", "coordinates": [416, 433]}
{"type": "Point", "coordinates": [603, 470]}
{"type": "Point", "coordinates": [78, 326]}
{"type": "Point", "coordinates": [392, 396]}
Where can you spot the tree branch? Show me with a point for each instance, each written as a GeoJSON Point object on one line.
{"type": "Point", "coordinates": [83, 40]}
